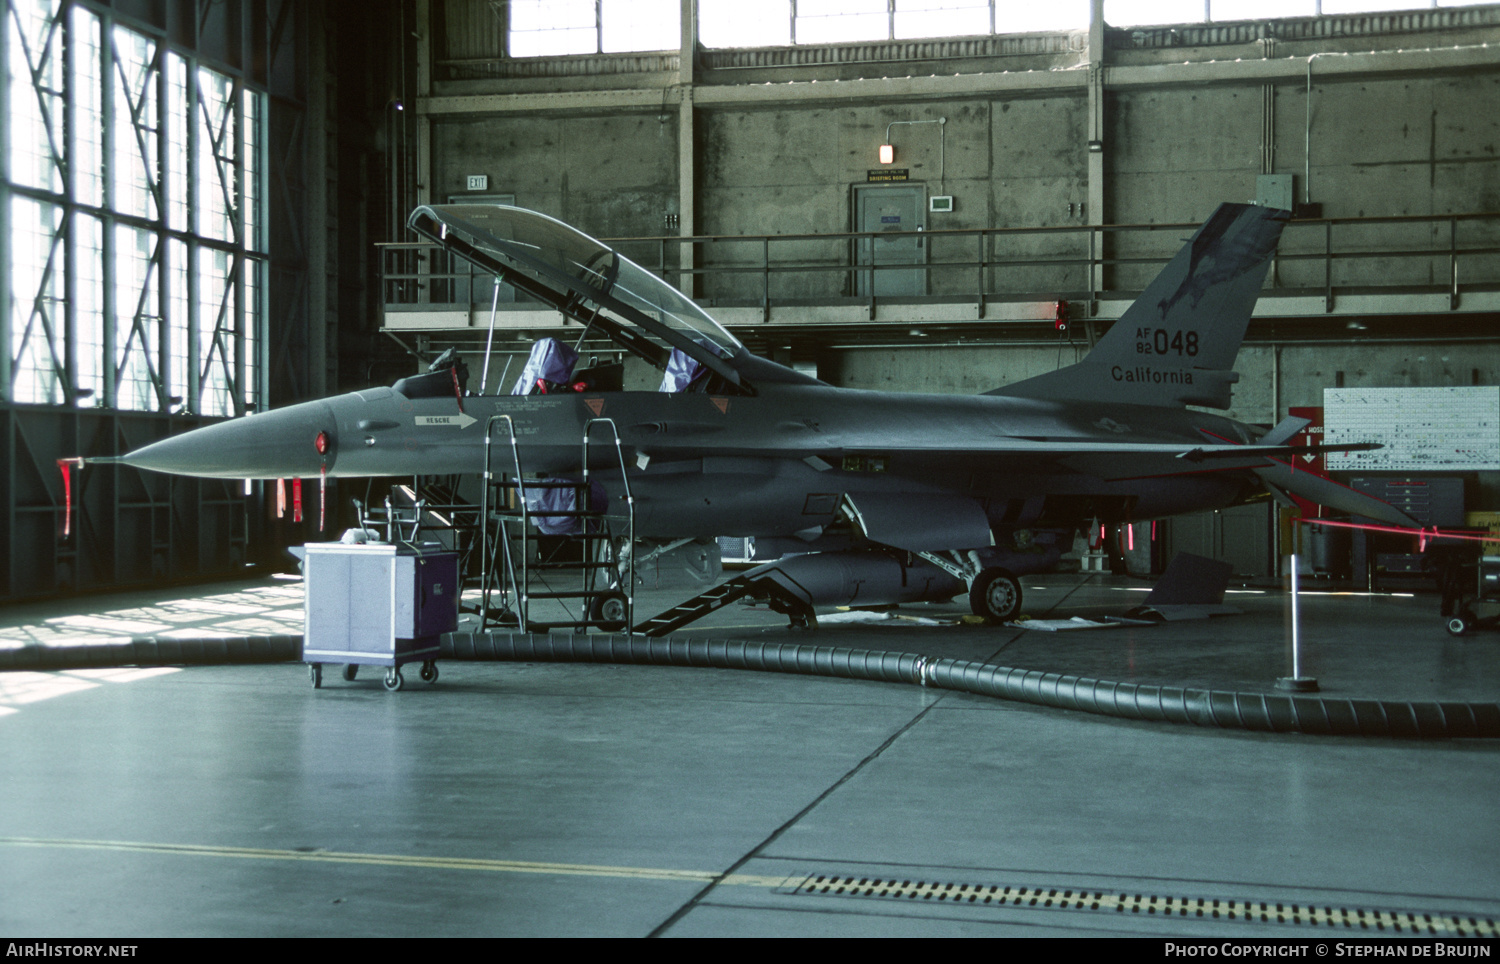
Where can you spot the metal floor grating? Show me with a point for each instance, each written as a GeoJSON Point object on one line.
{"type": "Point", "coordinates": [1360, 919]}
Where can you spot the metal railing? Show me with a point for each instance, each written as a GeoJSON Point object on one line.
{"type": "Point", "coordinates": [1447, 254]}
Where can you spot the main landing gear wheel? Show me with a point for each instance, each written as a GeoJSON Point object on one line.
{"type": "Point", "coordinates": [393, 680]}
{"type": "Point", "coordinates": [608, 611]}
{"type": "Point", "coordinates": [996, 596]}
{"type": "Point", "coordinates": [429, 672]}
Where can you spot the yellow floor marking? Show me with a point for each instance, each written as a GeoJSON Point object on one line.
{"type": "Point", "coordinates": [401, 860]}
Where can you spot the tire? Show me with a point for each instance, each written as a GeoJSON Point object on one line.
{"type": "Point", "coordinates": [429, 672]}
{"type": "Point", "coordinates": [315, 673]}
{"type": "Point", "coordinates": [996, 596]}
{"type": "Point", "coordinates": [1457, 626]}
{"type": "Point", "coordinates": [609, 611]}
{"type": "Point", "coordinates": [350, 671]}
{"type": "Point", "coordinates": [393, 680]}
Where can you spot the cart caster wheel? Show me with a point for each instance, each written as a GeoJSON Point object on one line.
{"type": "Point", "coordinates": [1457, 626]}
{"type": "Point", "coordinates": [393, 680]}
{"type": "Point", "coordinates": [429, 672]}
{"type": "Point", "coordinates": [315, 673]}
{"type": "Point", "coordinates": [350, 672]}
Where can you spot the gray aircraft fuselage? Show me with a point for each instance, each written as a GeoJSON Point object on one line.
{"type": "Point", "coordinates": [736, 445]}
{"type": "Point", "coordinates": [772, 464]}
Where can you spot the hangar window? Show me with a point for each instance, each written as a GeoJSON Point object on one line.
{"type": "Point", "coordinates": [132, 219]}
{"type": "Point", "coordinates": [733, 23]}
{"type": "Point", "coordinates": [550, 28]}
{"type": "Point", "coordinates": [1130, 13]}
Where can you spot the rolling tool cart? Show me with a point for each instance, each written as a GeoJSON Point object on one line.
{"type": "Point", "coordinates": [1481, 610]}
{"type": "Point", "coordinates": [378, 604]}
{"type": "Point", "coordinates": [1469, 581]}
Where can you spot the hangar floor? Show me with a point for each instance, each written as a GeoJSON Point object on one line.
{"type": "Point", "coordinates": [548, 799]}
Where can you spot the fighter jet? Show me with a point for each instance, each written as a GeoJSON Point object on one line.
{"type": "Point", "coordinates": [882, 497]}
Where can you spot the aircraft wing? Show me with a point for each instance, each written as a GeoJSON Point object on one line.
{"type": "Point", "coordinates": [1108, 460]}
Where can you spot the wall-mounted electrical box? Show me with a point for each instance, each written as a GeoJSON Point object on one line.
{"type": "Point", "coordinates": [479, 182]}
{"type": "Point", "coordinates": [1274, 191]}
{"type": "Point", "coordinates": [940, 203]}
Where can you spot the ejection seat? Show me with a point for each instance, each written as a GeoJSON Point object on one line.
{"type": "Point", "coordinates": [547, 370]}
{"type": "Point", "coordinates": [684, 373]}
{"type": "Point", "coordinates": [447, 375]}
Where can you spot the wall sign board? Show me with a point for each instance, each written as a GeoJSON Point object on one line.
{"type": "Point", "coordinates": [1423, 429]}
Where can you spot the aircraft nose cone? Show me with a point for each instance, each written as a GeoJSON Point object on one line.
{"type": "Point", "coordinates": [271, 445]}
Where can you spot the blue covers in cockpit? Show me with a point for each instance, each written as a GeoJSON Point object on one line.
{"type": "Point", "coordinates": [551, 364]}
{"type": "Point", "coordinates": [561, 496]}
{"type": "Point", "coordinates": [682, 370]}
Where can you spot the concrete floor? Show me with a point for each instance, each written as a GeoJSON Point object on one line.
{"type": "Point", "coordinates": [550, 799]}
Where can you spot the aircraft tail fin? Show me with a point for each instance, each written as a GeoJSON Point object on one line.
{"type": "Point", "coordinates": [1177, 343]}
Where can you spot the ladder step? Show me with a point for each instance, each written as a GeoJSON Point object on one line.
{"type": "Point", "coordinates": [503, 487]}
{"type": "Point", "coordinates": [570, 565]}
{"type": "Point", "coordinates": [696, 608]}
{"type": "Point", "coordinates": [577, 594]}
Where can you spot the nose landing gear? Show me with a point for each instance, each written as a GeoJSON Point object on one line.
{"type": "Point", "coordinates": [995, 595]}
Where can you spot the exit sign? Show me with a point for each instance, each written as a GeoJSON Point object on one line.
{"type": "Point", "coordinates": [479, 182]}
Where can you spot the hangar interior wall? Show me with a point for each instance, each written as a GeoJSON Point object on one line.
{"type": "Point", "coordinates": [1047, 140]}
{"type": "Point", "coordinates": [1387, 124]}
{"type": "Point", "coordinates": [1373, 118]}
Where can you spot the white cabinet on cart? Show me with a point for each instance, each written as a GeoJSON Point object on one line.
{"type": "Point", "coordinates": [378, 604]}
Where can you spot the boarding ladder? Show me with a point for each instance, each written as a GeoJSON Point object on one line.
{"type": "Point", "coordinates": [765, 582]}
{"type": "Point", "coordinates": [521, 566]}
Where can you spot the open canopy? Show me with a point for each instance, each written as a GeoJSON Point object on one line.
{"type": "Point", "coordinates": [583, 278]}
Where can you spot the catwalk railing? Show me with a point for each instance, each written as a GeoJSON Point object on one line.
{"type": "Point", "coordinates": [1448, 255]}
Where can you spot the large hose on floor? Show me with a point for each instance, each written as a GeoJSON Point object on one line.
{"type": "Point", "coordinates": [1270, 713]}
{"type": "Point", "coordinates": [157, 651]}
{"type": "Point", "coordinates": [1223, 709]}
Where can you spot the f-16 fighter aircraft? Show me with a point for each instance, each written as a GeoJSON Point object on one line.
{"type": "Point", "coordinates": [887, 497]}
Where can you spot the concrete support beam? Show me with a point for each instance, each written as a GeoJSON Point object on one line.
{"type": "Point", "coordinates": [1288, 70]}
{"type": "Point", "coordinates": [1096, 139]}
{"type": "Point", "coordinates": [687, 58]}
{"type": "Point", "coordinates": [424, 91]}
{"type": "Point", "coordinates": [687, 186]}
{"type": "Point", "coordinates": [318, 347]}
{"type": "Point", "coordinates": [867, 90]}
{"type": "Point", "coordinates": [1340, 66]}
{"type": "Point", "coordinates": [687, 140]}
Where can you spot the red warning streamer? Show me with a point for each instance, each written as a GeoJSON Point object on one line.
{"type": "Point", "coordinates": [67, 466]}
{"type": "Point", "coordinates": [1422, 535]}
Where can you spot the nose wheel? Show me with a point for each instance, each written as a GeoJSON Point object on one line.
{"type": "Point", "coordinates": [996, 596]}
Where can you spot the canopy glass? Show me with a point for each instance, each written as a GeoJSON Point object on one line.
{"type": "Point", "coordinates": [569, 262]}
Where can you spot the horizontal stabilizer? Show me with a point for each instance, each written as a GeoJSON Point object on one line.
{"type": "Point", "coordinates": [1284, 430]}
{"type": "Point", "coordinates": [1326, 492]}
